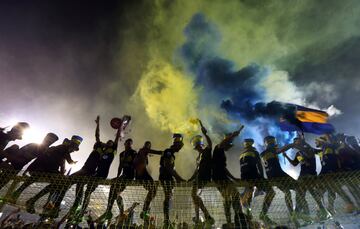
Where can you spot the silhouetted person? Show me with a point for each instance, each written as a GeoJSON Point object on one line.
{"type": "Point", "coordinates": [126, 173]}
{"type": "Point", "coordinates": [142, 175]}
{"type": "Point", "coordinates": [330, 164]}
{"type": "Point", "coordinates": [202, 174]}
{"type": "Point", "coordinates": [52, 161]}
{"type": "Point", "coordinates": [306, 158]}
{"type": "Point", "coordinates": [224, 180]}
{"type": "Point", "coordinates": [168, 174]}
{"type": "Point", "coordinates": [107, 153]}
{"type": "Point", "coordinates": [251, 170]}
{"type": "Point", "coordinates": [276, 175]}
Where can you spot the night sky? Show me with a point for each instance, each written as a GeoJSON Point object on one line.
{"type": "Point", "coordinates": [64, 62]}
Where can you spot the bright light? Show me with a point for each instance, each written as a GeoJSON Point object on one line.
{"type": "Point", "coordinates": [33, 135]}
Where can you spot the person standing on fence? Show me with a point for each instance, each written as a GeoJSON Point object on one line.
{"type": "Point", "coordinates": [168, 173]}
{"type": "Point", "coordinates": [275, 174]}
{"type": "Point", "coordinates": [107, 152]}
{"type": "Point", "coordinates": [307, 180]}
{"type": "Point", "coordinates": [51, 162]}
{"type": "Point", "coordinates": [251, 171]}
{"type": "Point", "coordinates": [330, 165]}
{"type": "Point", "coordinates": [80, 178]}
{"type": "Point", "coordinates": [224, 180]}
{"type": "Point", "coordinates": [349, 162]}
{"type": "Point", "coordinates": [202, 174]}
{"type": "Point", "coordinates": [126, 173]}
{"type": "Point", "coordinates": [142, 175]}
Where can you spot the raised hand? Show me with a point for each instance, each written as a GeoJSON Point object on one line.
{"type": "Point", "coordinates": [203, 129]}
{"type": "Point", "coordinates": [97, 120]}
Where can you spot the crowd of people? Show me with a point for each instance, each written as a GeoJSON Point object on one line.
{"type": "Point", "coordinates": [337, 152]}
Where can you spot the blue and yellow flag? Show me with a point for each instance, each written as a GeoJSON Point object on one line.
{"type": "Point", "coordinates": [308, 120]}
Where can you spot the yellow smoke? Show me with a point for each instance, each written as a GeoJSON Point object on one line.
{"type": "Point", "coordinates": [169, 97]}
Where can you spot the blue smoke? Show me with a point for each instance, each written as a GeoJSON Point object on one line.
{"type": "Point", "coordinates": [237, 92]}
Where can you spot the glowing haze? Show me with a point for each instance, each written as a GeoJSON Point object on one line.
{"type": "Point", "coordinates": [166, 63]}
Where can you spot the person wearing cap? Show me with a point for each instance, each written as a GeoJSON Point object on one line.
{"type": "Point", "coordinates": [251, 171]}
{"type": "Point", "coordinates": [224, 181]}
{"type": "Point", "coordinates": [330, 164]}
{"type": "Point", "coordinates": [97, 166]}
{"type": "Point", "coordinates": [51, 161]}
{"type": "Point", "coordinates": [126, 173]}
{"type": "Point", "coordinates": [168, 173]}
{"type": "Point", "coordinates": [17, 159]}
{"type": "Point", "coordinates": [275, 174]}
{"type": "Point", "coordinates": [15, 133]}
{"type": "Point", "coordinates": [141, 174]}
{"type": "Point", "coordinates": [306, 158]}
{"type": "Point", "coordinates": [202, 174]}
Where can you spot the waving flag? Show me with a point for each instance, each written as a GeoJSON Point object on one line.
{"type": "Point", "coordinates": [308, 120]}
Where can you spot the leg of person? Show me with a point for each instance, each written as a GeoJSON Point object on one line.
{"type": "Point", "coordinates": [288, 199]}
{"type": "Point", "coordinates": [322, 213]}
{"type": "Point", "coordinates": [114, 190]}
{"type": "Point", "coordinates": [30, 203]}
{"type": "Point", "coordinates": [119, 199]}
{"type": "Point", "coordinates": [247, 196]}
{"type": "Point", "coordinates": [239, 218]}
{"type": "Point", "coordinates": [150, 186]}
{"type": "Point", "coordinates": [226, 195]}
{"type": "Point", "coordinates": [300, 198]}
{"type": "Point", "coordinates": [6, 177]}
{"type": "Point", "coordinates": [194, 196]}
{"type": "Point", "coordinates": [354, 190]}
{"type": "Point", "coordinates": [346, 198]}
{"type": "Point", "coordinates": [199, 204]}
{"type": "Point", "coordinates": [269, 196]}
{"type": "Point", "coordinates": [168, 187]}
{"type": "Point", "coordinates": [90, 188]}
{"type": "Point", "coordinates": [78, 198]}
{"type": "Point", "coordinates": [28, 181]}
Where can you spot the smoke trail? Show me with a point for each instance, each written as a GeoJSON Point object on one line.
{"type": "Point", "coordinates": [241, 93]}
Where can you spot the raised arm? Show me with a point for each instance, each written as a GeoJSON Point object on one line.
{"type": "Point", "coordinates": [117, 136]}
{"type": "Point", "coordinates": [204, 131]}
{"type": "Point", "coordinates": [97, 131]}
{"type": "Point", "coordinates": [231, 137]}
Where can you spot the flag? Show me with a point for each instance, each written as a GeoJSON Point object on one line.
{"type": "Point", "coordinates": [307, 120]}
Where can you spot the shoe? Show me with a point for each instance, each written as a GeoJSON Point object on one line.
{"type": "Point", "coordinates": [266, 220]}
{"type": "Point", "coordinates": [145, 215]}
